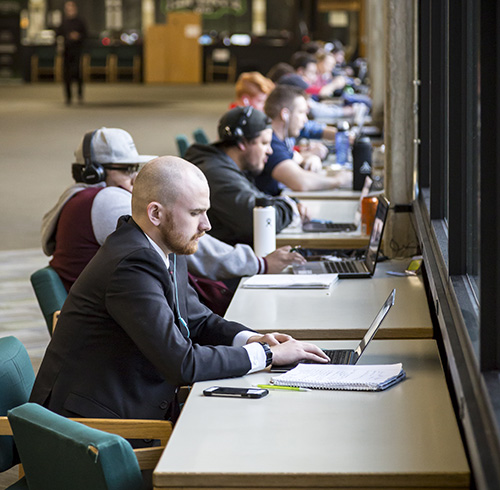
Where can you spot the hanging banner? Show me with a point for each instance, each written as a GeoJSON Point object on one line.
{"type": "Point", "coordinates": [212, 8]}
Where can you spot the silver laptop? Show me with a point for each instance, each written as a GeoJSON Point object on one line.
{"type": "Point", "coordinates": [317, 225]}
{"type": "Point", "coordinates": [351, 356]}
{"type": "Point", "coordinates": [357, 268]}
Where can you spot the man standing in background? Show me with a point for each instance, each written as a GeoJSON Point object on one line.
{"type": "Point", "coordinates": [72, 33]}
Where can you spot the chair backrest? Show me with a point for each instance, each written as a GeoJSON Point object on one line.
{"type": "Point", "coordinates": [46, 54]}
{"type": "Point", "coordinates": [99, 55]}
{"type": "Point", "coordinates": [59, 453]}
{"type": "Point", "coordinates": [50, 293]}
{"type": "Point", "coordinates": [182, 144]}
{"type": "Point", "coordinates": [125, 54]}
{"type": "Point", "coordinates": [200, 137]}
{"type": "Point", "coordinates": [16, 381]}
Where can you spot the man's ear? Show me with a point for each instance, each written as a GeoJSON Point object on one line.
{"type": "Point", "coordinates": [242, 144]}
{"type": "Point", "coordinates": [245, 100]}
{"type": "Point", "coordinates": [154, 211]}
{"type": "Point", "coordinates": [285, 114]}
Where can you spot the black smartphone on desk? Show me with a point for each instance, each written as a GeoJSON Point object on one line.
{"type": "Point", "coordinates": [235, 392]}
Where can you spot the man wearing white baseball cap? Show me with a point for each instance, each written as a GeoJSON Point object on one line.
{"type": "Point", "coordinates": [107, 163]}
{"type": "Point", "coordinates": [87, 212]}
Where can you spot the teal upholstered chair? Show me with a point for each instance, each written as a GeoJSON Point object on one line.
{"type": "Point", "coordinates": [16, 381]}
{"type": "Point", "coordinates": [50, 293]}
{"type": "Point", "coordinates": [182, 144]}
{"type": "Point", "coordinates": [61, 454]}
{"type": "Point", "coordinates": [200, 137]}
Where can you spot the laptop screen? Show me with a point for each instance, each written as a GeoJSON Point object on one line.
{"type": "Point", "coordinates": [389, 302]}
{"type": "Point", "coordinates": [377, 231]}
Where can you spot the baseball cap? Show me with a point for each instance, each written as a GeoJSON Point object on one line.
{"type": "Point", "coordinates": [294, 80]}
{"type": "Point", "coordinates": [112, 146]}
{"type": "Point", "coordinates": [242, 122]}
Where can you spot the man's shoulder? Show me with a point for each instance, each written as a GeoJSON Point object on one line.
{"type": "Point", "coordinates": [127, 243]}
{"type": "Point", "coordinates": [206, 155]}
{"type": "Point", "coordinates": [281, 152]}
{"type": "Point", "coordinates": [212, 161]}
{"type": "Point", "coordinates": [114, 194]}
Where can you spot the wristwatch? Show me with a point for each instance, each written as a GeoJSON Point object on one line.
{"type": "Point", "coordinates": [268, 352]}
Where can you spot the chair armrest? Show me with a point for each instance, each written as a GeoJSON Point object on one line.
{"type": "Point", "coordinates": [183, 393]}
{"type": "Point", "coordinates": [55, 317]}
{"type": "Point", "coordinates": [126, 428]}
{"type": "Point", "coordinates": [132, 428]}
{"type": "Point", "coordinates": [148, 457]}
{"type": "Point", "coordinates": [5, 429]}
{"type": "Point", "coordinates": [136, 429]}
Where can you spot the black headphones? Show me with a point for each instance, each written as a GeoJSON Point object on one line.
{"type": "Point", "coordinates": [237, 132]}
{"type": "Point", "coordinates": [92, 172]}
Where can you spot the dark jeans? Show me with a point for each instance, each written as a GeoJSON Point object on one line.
{"type": "Point", "coordinates": [72, 72]}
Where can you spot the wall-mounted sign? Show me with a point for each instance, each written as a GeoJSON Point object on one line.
{"type": "Point", "coordinates": [207, 7]}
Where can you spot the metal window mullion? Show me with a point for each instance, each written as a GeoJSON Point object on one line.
{"type": "Point", "coordinates": [438, 108]}
{"type": "Point", "coordinates": [457, 138]}
{"type": "Point", "coordinates": [489, 187]}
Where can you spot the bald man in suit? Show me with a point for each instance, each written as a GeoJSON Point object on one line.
{"type": "Point", "coordinates": [132, 331]}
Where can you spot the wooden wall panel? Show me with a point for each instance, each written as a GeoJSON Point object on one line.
{"type": "Point", "coordinates": [171, 51]}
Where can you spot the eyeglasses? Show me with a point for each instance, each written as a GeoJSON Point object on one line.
{"type": "Point", "coordinates": [127, 169]}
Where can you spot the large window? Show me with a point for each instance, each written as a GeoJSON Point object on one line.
{"type": "Point", "coordinates": [458, 209]}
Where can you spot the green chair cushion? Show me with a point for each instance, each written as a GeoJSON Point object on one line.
{"type": "Point", "coordinates": [16, 382]}
{"type": "Point", "coordinates": [50, 292]}
{"type": "Point", "coordinates": [59, 453]}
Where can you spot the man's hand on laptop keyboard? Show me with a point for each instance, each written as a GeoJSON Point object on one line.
{"type": "Point", "coordinates": [294, 350]}
{"type": "Point", "coordinates": [286, 350]}
{"type": "Point", "coordinates": [281, 258]}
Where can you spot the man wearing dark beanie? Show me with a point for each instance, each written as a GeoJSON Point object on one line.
{"type": "Point", "coordinates": [230, 166]}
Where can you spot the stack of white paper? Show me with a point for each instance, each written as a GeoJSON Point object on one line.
{"type": "Point", "coordinates": [291, 281]}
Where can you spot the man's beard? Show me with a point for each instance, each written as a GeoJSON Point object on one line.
{"type": "Point", "coordinates": [178, 245]}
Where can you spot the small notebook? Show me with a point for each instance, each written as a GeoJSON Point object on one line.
{"type": "Point", "coordinates": [342, 377]}
{"type": "Point", "coordinates": [290, 281]}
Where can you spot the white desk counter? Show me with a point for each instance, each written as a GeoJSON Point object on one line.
{"type": "Point", "coordinates": [404, 437]}
{"type": "Point", "coordinates": [339, 210]}
{"type": "Point", "coordinates": [345, 194]}
{"type": "Point", "coordinates": [345, 311]}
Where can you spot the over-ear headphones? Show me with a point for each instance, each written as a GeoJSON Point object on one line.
{"type": "Point", "coordinates": [92, 172]}
{"type": "Point", "coordinates": [237, 132]}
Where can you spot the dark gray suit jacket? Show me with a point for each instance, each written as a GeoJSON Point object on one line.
{"type": "Point", "coordinates": [119, 350]}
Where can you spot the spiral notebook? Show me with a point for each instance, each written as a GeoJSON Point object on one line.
{"type": "Point", "coordinates": [342, 377]}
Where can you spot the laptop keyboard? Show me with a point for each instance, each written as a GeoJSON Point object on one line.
{"type": "Point", "coordinates": [341, 266]}
{"type": "Point", "coordinates": [340, 226]}
{"type": "Point", "coordinates": [338, 356]}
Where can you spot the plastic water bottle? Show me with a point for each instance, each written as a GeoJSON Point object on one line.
{"type": "Point", "coordinates": [342, 142]}
{"type": "Point", "coordinates": [264, 227]}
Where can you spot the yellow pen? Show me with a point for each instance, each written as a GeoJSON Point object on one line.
{"type": "Point", "coordinates": [275, 387]}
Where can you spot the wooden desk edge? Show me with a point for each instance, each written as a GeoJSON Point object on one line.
{"type": "Point", "coordinates": [444, 480]}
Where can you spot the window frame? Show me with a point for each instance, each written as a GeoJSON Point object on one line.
{"type": "Point", "coordinates": [454, 37]}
